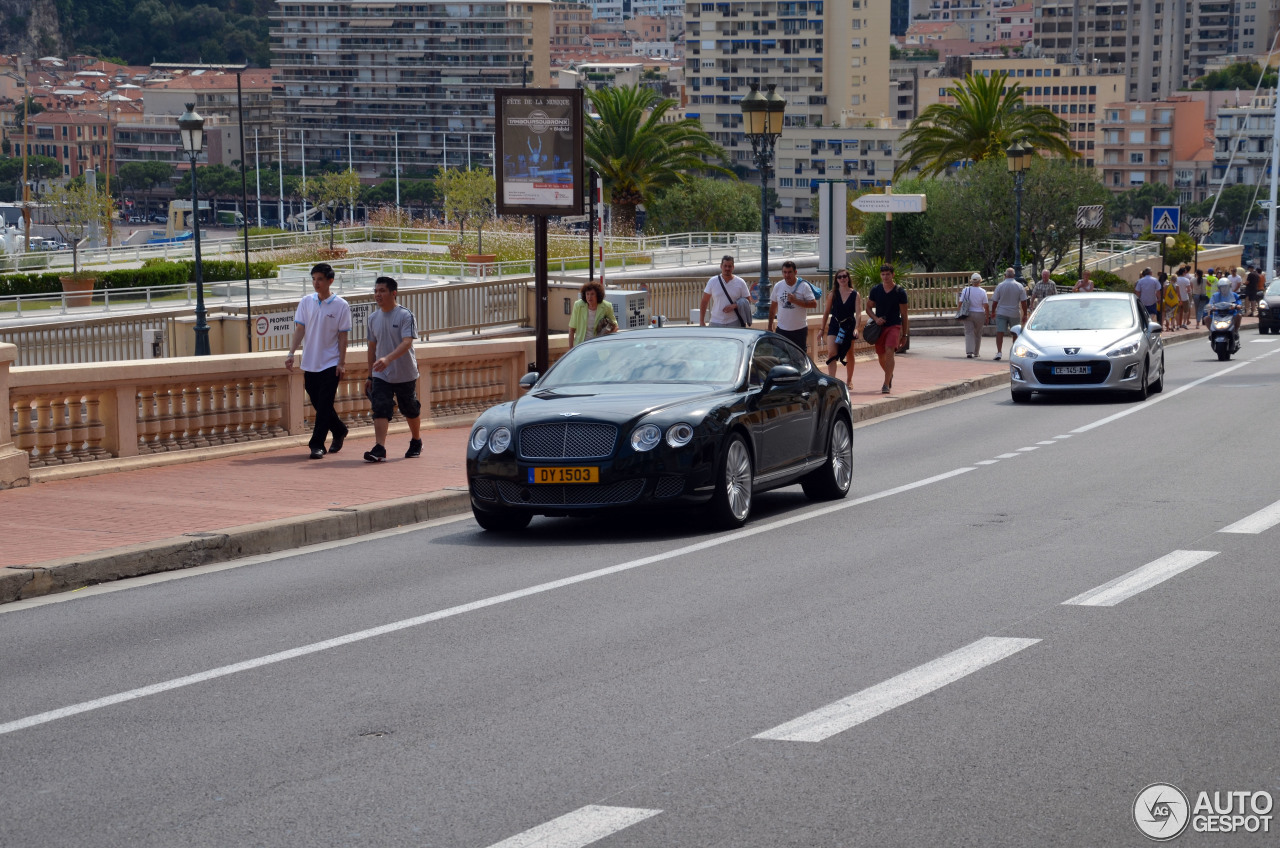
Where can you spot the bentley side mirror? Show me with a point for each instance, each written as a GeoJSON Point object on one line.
{"type": "Point", "coordinates": [527, 381]}
{"type": "Point", "coordinates": [781, 375]}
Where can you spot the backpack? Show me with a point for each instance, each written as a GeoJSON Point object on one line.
{"type": "Point", "coordinates": [1171, 298]}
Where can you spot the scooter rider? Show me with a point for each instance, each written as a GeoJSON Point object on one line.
{"type": "Point", "coordinates": [1224, 294]}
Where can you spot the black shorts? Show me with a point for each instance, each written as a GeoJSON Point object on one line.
{"type": "Point", "coordinates": [387, 396]}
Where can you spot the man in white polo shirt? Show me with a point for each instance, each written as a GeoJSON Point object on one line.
{"type": "Point", "coordinates": [325, 320]}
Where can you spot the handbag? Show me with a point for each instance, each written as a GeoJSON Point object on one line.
{"type": "Point", "coordinates": [871, 332]}
{"type": "Point", "coordinates": [963, 312]}
{"type": "Point", "coordinates": [742, 305]}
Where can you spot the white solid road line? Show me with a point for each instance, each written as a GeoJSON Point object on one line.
{"type": "Point", "coordinates": [869, 703]}
{"type": "Point", "coordinates": [1263, 519]}
{"type": "Point", "coordinates": [382, 630]}
{"type": "Point", "coordinates": [581, 827]}
{"type": "Point", "coordinates": [1140, 579]}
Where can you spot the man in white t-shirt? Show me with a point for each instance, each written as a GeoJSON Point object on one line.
{"type": "Point", "coordinates": [788, 304]}
{"type": "Point", "coordinates": [1182, 283]}
{"type": "Point", "coordinates": [722, 292]}
{"type": "Point", "coordinates": [325, 320]}
{"type": "Point", "coordinates": [1236, 280]}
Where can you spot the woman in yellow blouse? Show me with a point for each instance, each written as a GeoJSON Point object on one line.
{"type": "Point", "coordinates": [592, 315]}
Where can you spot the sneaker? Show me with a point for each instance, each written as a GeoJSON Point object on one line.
{"type": "Point", "coordinates": [997, 359]}
{"type": "Point", "coordinates": [968, 356]}
{"type": "Point", "coordinates": [415, 449]}
{"type": "Point", "coordinates": [378, 454]}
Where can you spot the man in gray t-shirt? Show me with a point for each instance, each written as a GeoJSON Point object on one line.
{"type": "Point", "coordinates": [1009, 302]}
{"type": "Point", "coordinates": [393, 370]}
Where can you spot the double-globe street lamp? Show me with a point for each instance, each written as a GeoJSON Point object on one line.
{"type": "Point", "coordinates": [762, 124]}
{"type": "Point", "coordinates": [191, 128]}
{"type": "Point", "coordinates": [1018, 158]}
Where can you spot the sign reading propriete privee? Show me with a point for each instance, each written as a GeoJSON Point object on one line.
{"type": "Point", "coordinates": [890, 203]}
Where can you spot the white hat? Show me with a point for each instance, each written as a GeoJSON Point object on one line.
{"type": "Point", "coordinates": [975, 277]}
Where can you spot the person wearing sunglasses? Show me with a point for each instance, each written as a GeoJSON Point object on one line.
{"type": "Point", "coordinates": [841, 320]}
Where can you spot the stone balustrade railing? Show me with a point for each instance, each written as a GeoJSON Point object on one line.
{"type": "Point", "coordinates": [64, 414]}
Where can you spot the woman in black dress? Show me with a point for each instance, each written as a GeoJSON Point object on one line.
{"type": "Point", "coordinates": [841, 321]}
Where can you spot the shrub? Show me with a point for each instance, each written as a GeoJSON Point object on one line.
{"type": "Point", "coordinates": [13, 284]}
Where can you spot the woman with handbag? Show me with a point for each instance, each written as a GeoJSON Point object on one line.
{"type": "Point", "coordinates": [841, 320]}
{"type": "Point", "coordinates": [974, 313]}
{"type": "Point", "coordinates": [592, 315]}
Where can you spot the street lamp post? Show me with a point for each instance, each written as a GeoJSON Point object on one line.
{"type": "Point", "coordinates": [762, 124]}
{"type": "Point", "coordinates": [1018, 158]}
{"type": "Point", "coordinates": [191, 128]}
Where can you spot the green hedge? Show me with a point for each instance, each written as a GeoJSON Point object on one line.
{"type": "Point", "coordinates": [11, 284]}
{"type": "Point", "coordinates": [152, 273]}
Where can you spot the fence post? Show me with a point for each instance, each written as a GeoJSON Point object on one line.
{"type": "Point", "coordinates": [15, 465]}
{"type": "Point", "coordinates": [294, 401]}
{"type": "Point", "coordinates": [120, 421]}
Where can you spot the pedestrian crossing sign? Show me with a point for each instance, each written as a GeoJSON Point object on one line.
{"type": "Point", "coordinates": [1165, 219]}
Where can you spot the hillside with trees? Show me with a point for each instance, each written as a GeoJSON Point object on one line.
{"type": "Point", "coordinates": [139, 32]}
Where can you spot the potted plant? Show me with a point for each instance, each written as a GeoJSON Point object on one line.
{"type": "Point", "coordinates": [77, 211]}
{"type": "Point", "coordinates": [467, 195]}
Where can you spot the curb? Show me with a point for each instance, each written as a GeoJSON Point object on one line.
{"type": "Point", "coordinates": [20, 582]}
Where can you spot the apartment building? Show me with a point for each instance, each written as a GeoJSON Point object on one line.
{"type": "Point", "coordinates": [863, 156]}
{"type": "Point", "coordinates": [398, 81]}
{"type": "Point", "coordinates": [974, 16]}
{"type": "Point", "coordinates": [214, 94]}
{"type": "Point", "coordinates": [1151, 141]}
{"type": "Point", "coordinates": [1072, 92]}
{"type": "Point", "coordinates": [1242, 142]}
{"type": "Point", "coordinates": [829, 61]}
{"type": "Point", "coordinates": [1161, 46]}
{"type": "Point", "coordinates": [78, 140]}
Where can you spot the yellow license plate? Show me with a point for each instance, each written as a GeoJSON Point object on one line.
{"type": "Point", "coordinates": [586, 474]}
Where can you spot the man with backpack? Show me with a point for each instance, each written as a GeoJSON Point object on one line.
{"type": "Point", "coordinates": [722, 293]}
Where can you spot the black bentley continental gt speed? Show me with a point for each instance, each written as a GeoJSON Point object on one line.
{"type": "Point", "coordinates": [657, 418]}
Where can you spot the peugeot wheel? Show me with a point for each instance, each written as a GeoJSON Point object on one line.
{"type": "Point", "coordinates": [1140, 394]}
{"type": "Point", "coordinates": [731, 503]}
{"type": "Point", "coordinates": [832, 481]}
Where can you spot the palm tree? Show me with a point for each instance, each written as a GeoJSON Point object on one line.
{"type": "Point", "coordinates": [987, 117]}
{"type": "Point", "coordinates": [637, 154]}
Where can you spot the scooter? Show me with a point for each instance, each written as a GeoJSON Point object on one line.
{"type": "Point", "coordinates": [1224, 337]}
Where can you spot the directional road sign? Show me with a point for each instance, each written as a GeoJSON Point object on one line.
{"type": "Point", "coordinates": [893, 203]}
{"type": "Point", "coordinates": [1164, 219]}
{"type": "Point", "coordinates": [1198, 226]}
{"type": "Point", "coordinates": [1088, 217]}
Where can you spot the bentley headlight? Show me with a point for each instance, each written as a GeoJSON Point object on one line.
{"type": "Point", "coordinates": [1023, 350]}
{"type": "Point", "coordinates": [500, 440]}
{"type": "Point", "coordinates": [679, 435]}
{"type": "Point", "coordinates": [1262, 304]}
{"type": "Point", "coordinates": [478, 437]}
{"type": "Point", "coordinates": [645, 437]}
{"type": "Point", "coordinates": [1125, 350]}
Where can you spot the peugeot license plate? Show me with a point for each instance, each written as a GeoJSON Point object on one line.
{"type": "Point", "coordinates": [582, 474]}
{"type": "Point", "coordinates": [1071, 369]}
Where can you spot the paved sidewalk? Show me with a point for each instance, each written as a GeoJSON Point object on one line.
{"type": "Point", "coordinates": [66, 533]}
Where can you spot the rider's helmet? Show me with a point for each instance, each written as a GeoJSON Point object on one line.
{"type": "Point", "coordinates": [1224, 285]}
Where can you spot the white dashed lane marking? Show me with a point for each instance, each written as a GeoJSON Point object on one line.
{"type": "Point", "coordinates": [1009, 456]}
{"type": "Point", "coordinates": [1140, 579]}
{"type": "Point", "coordinates": [906, 687]}
{"type": "Point", "coordinates": [1049, 442]}
{"type": "Point", "coordinates": [986, 462]}
{"type": "Point", "coordinates": [1028, 450]}
{"type": "Point", "coordinates": [581, 827]}
{"type": "Point", "coordinates": [1263, 519]}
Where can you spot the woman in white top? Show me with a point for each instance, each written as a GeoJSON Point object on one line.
{"type": "Point", "coordinates": [1085, 284]}
{"type": "Point", "coordinates": [975, 297]}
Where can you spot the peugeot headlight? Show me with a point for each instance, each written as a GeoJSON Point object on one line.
{"type": "Point", "coordinates": [645, 437]}
{"type": "Point", "coordinates": [1023, 350]}
{"type": "Point", "coordinates": [1126, 350]}
{"type": "Point", "coordinates": [679, 435]}
{"type": "Point", "coordinates": [500, 440]}
{"type": "Point", "coordinates": [478, 437]}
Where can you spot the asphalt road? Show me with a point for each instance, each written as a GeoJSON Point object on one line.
{"type": "Point", "coordinates": [900, 668]}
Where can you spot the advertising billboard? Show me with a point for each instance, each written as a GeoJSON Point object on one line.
{"type": "Point", "coordinates": [539, 151]}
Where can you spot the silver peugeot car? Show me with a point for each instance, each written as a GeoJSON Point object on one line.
{"type": "Point", "coordinates": [1087, 341]}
